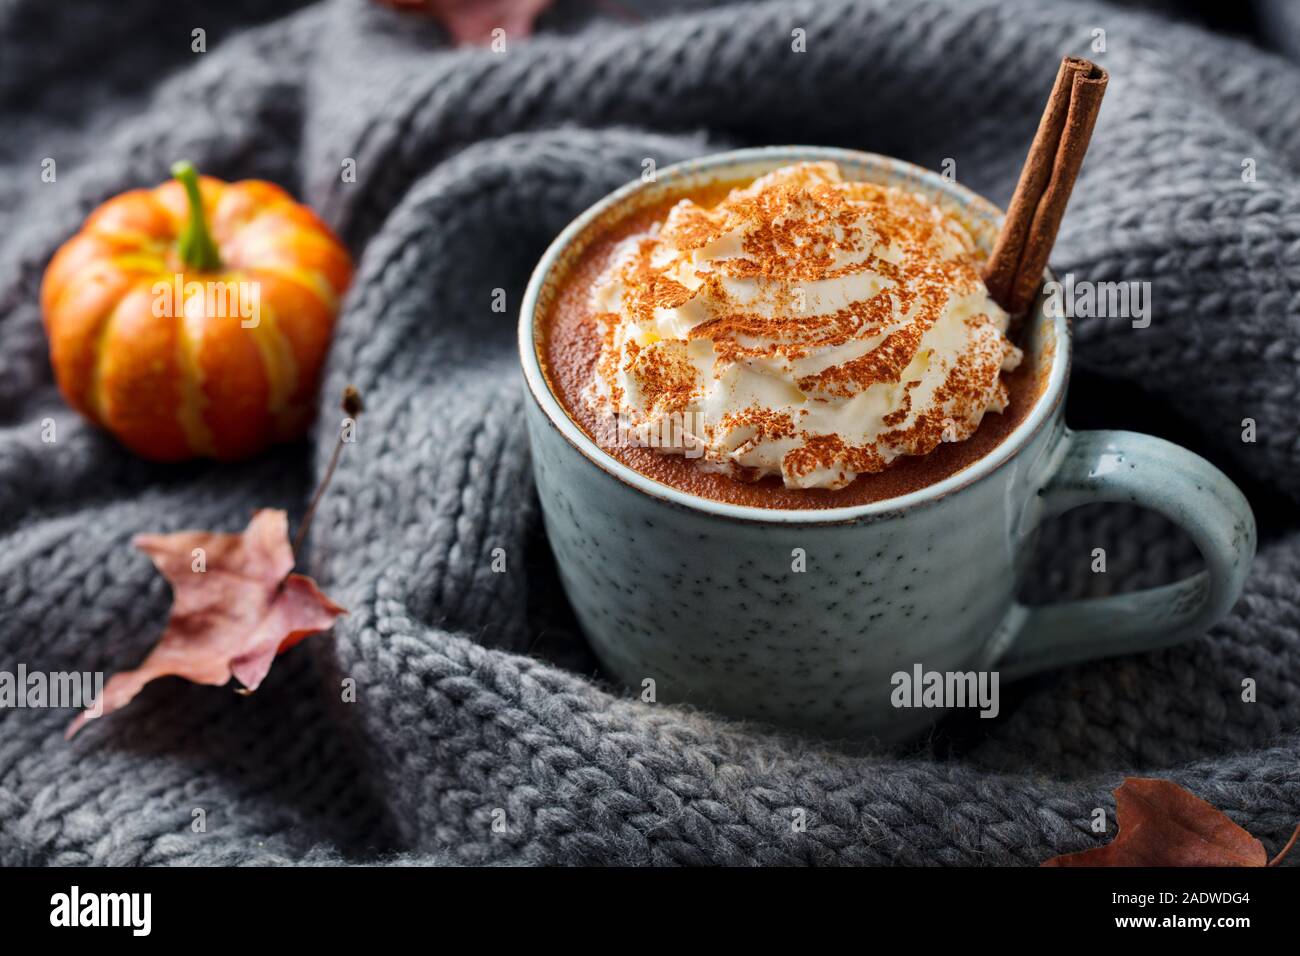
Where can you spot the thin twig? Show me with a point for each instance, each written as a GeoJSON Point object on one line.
{"type": "Point", "coordinates": [315, 499]}
{"type": "Point", "coordinates": [352, 406]}
{"type": "Point", "coordinates": [1286, 849]}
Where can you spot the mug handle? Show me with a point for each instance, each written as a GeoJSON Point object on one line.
{"type": "Point", "coordinates": [1121, 466]}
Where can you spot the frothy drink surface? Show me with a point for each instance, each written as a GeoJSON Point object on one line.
{"type": "Point", "coordinates": [581, 359]}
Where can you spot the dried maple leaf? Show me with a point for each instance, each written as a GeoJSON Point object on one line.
{"type": "Point", "coordinates": [472, 21]}
{"type": "Point", "coordinates": [1161, 824]}
{"type": "Point", "coordinates": [236, 606]}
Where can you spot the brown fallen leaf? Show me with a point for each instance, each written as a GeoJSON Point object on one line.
{"type": "Point", "coordinates": [1161, 824]}
{"type": "Point", "coordinates": [236, 606]}
{"type": "Point", "coordinates": [472, 21]}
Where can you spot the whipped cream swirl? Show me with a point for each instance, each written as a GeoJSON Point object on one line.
{"type": "Point", "coordinates": [806, 326]}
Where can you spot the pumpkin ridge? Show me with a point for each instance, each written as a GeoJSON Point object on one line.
{"type": "Point", "coordinates": [141, 262]}
{"type": "Point", "coordinates": [76, 377]}
{"type": "Point", "coordinates": [94, 388]}
{"type": "Point", "coordinates": [277, 361]}
{"type": "Point", "coordinates": [189, 414]}
{"type": "Point", "coordinates": [102, 268]}
{"type": "Point", "coordinates": [311, 280]}
{"type": "Point", "coordinates": [278, 241]}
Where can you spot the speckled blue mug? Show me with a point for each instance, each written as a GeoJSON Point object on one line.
{"type": "Point", "coordinates": [703, 599]}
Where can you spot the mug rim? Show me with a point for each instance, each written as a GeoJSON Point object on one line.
{"type": "Point", "coordinates": [558, 417]}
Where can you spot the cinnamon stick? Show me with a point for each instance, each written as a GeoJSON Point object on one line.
{"type": "Point", "coordinates": [1015, 269]}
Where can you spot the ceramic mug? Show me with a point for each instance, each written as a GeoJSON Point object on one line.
{"type": "Point", "coordinates": [702, 597]}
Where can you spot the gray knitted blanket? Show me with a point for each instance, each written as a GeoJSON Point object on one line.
{"type": "Point", "coordinates": [477, 701]}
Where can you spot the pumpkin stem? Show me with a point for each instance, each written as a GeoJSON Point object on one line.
{"type": "Point", "coordinates": [198, 251]}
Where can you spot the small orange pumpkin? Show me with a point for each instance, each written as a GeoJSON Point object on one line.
{"type": "Point", "coordinates": [191, 320]}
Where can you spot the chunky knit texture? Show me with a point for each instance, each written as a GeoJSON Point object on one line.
{"type": "Point", "coordinates": [476, 699]}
